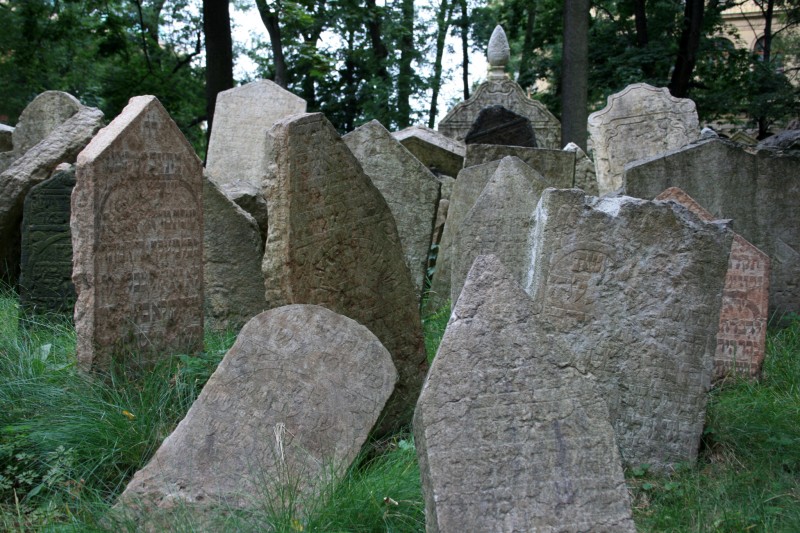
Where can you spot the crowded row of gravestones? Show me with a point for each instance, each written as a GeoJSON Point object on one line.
{"type": "Point", "coordinates": [593, 303]}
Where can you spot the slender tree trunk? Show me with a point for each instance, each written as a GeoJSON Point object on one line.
{"type": "Point", "coordinates": [270, 21]}
{"type": "Point", "coordinates": [575, 72]}
{"type": "Point", "coordinates": [405, 76]}
{"type": "Point", "coordinates": [443, 20]}
{"type": "Point", "coordinates": [687, 48]}
{"type": "Point", "coordinates": [380, 55]}
{"type": "Point", "coordinates": [464, 23]}
{"type": "Point", "coordinates": [350, 85]}
{"type": "Point", "coordinates": [642, 36]}
{"type": "Point", "coordinates": [526, 74]}
{"type": "Point", "coordinates": [763, 123]}
{"type": "Point", "coordinates": [219, 53]}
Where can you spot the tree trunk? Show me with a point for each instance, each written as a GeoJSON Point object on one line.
{"type": "Point", "coordinates": [270, 21]}
{"type": "Point", "coordinates": [219, 53]}
{"type": "Point", "coordinates": [526, 75]}
{"type": "Point", "coordinates": [380, 55]}
{"type": "Point", "coordinates": [575, 73]}
{"type": "Point", "coordinates": [687, 48]}
{"type": "Point", "coordinates": [405, 78]}
{"type": "Point", "coordinates": [763, 122]}
{"type": "Point", "coordinates": [443, 20]}
{"type": "Point", "coordinates": [464, 23]}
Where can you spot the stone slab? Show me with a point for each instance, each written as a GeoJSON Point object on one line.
{"type": "Point", "coordinates": [6, 136]}
{"type": "Point", "coordinates": [585, 176]}
{"type": "Point", "coordinates": [441, 154]}
{"type": "Point", "coordinates": [557, 166]}
{"type": "Point", "coordinates": [497, 125]}
{"type": "Point", "coordinates": [45, 113]}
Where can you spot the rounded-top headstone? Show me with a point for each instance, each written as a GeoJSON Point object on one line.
{"type": "Point", "coordinates": [42, 116]}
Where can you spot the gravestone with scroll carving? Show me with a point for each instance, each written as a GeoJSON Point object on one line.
{"type": "Point", "coordinates": [743, 319]}
{"type": "Point", "coordinates": [635, 288]}
{"type": "Point", "coordinates": [333, 242]}
{"type": "Point", "coordinates": [638, 122]}
{"type": "Point", "coordinates": [498, 89]}
{"type": "Point", "coordinates": [557, 166]}
{"type": "Point", "coordinates": [137, 236]}
{"type": "Point", "coordinates": [508, 437]}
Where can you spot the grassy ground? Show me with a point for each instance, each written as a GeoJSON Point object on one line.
{"type": "Point", "coordinates": [68, 446]}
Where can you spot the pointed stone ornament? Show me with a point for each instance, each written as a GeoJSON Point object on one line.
{"type": "Point", "coordinates": [498, 54]}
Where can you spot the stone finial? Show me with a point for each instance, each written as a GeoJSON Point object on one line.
{"type": "Point", "coordinates": [498, 54]}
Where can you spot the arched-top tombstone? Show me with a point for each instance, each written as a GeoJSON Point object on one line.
{"type": "Point", "coordinates": [42, 116]}
{"type": "Point", "coordinates": [498, 89]}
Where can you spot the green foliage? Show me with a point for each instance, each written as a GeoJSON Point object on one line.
{"type": "Point", "coordinates": [433, 326]}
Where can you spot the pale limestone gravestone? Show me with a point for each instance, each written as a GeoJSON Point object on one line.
{"type": "Point", "coordinates": [6, 136]}
{"type": "Point", "coordinates": [235, 161]}
{"type": "Point", "coordinates": [62, 145]}
{"type": "Point", "coordinates": [497, 125]}
{"type": "Point", "coordinates": [759, 191]}
{"type": "Point", "coordinates": [634, 288]}
{"type": "Point", "coordinates": [45, 113]}
{"type": "Point", "coordinates": [137, 238]}
{"type": "Point", "coordinates": [288, 409]}
{"type": "Point", "coordinates": [499, 223]}
{"type": "Point", "coordinates": [743, 318]}
{"type": "Point", "coordinates": [508, 437]}
{"type": "Point", "coordinates": [585, 176]}
{"type": "Point", "coordinates": [411, 191]}
{"type": "Point", "coordinates": [557, 166]}
{"type": "Point", "coordinates": [232, 254]}
{"type": "Point", "coordinates": [333, 242]}
{"type": "Point", "coordinates": [441, 154]}
{"type": "Point", "coordinates": [498, 89]}
{"type": "Point", "coordinates": [45, 282]}
{"type": "Point", "coordinates": [638, 122]}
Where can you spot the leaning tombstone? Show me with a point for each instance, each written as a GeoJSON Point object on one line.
{"type": "Point", "coordinates": [499, 89]}
{"type": "Point", "coordinates": [6, 136]}
{"type": "Point", "coordinates": [333, 242]}
{"type": "Point", "coordinates": [45, 113]}
{"type": "Point", "coordinates": [585, 176]}
{"type": "Point", "coordinates": [508, 437]}
{"type": "Point", "coordinates": [638, 122]}
{"type": "Point", "coordinates": [441, 154]}
{"type": "Point", "coordinates": [557, 166]}
{"type": "Point", "coordinates": [634, 287]}
{"type": "Point", "coordinates": [497, 125]}
{"type": "Point", "coordinates": [45, 282]}
{"type": "Point", "coordinates": [410, 190]}
{"type": "Point", "coordinates": [235, 161]}
{"type": "Point", "coordinates": [137, 237]}
{"type": "Point", "coordinates": [280, 419]}
{"type": "Point", "coordinates": [743, 318]}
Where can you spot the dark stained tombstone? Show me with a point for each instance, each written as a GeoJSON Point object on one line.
{"type": "Point", "coordinates": [497, 125]}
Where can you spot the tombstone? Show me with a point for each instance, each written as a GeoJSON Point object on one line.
{"type": "Point", "coordinates": [499, 223]}
{"type": "Point", "coordinates": [235, 161]}
{"type": "Point", "coordinates": [759, 191]}
{"type": "Point", "coordinates": [441, 154]}
{"type": "Point", "coordinates": [6, 135]}
{"type": "Point", "coordinates": [585, 177]}
{"type": "Point", "coordinates": [743, 138]}
{"type": "Point", "coordinates": [447, 184]}
{"type": "Point", "coordinates": [497, 125]}
{"type": "Point", "coordinates": [232, 254]}
{"type": "Point", "coordinates": [508, 438]}
{"type": "Point", "coordinates": [36, 165]}
{"type": "Point", "coordinates": [409, 188]}
{"type": "Point", "coordinates": [44, 114]}
{"type": "Point", "coordinates": [45, 283]}
{"type": "Point", "coordinates": [785, 140]}
{"type": "Point", "coordinates": [557, 166]}
{"type": "Point", "coordinates": [498, 89]}
{"type": "Point", "coordinates": [743, 318]}
{"type": "Point", "coordinates": [333, 242]}
{"type": "Point", "coordinates": [638, 122]}
{"type": "Point", "coordinates": [137, 238]}
{"type": "Point", "coordinates": [286, 412]}
{"type": "Point", "coordinates": [634, 288]}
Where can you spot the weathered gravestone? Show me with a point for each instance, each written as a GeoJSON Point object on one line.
{"type": "Point", "coordinates": [409, 188]}
{"type": "Point", "coordinates": [498, 223]}
{"type": "Point", "coordinates": [498, 89]}
{"type": "Point", "coordinates": [441, 154]}
{"type": "Point", "coordinates": [45, 282]}
{"type": "Point", "coordinates": [6, 135]}
{"type": "Point", "coordinates": [557, 166]}
{"type": "Point", "coordinates": [743, 318]}
{"type": "Point", "coordinates": [585, 176]}
{"type": "Point", "coordinates": [137, 237]}
{"type": "Point", "coordinates": [288, 408]}
{"type": "Point", "coordinates": [36, 165]}
{"type": "Point", "coordinates": [232, 254]}
{"type": "Point", "coordinates": [759, 191]}
{"type": "Point", "coordinates": [638, 122]}
{"type": "Point", "coordinates": [235, 161]}
{"type": "Point", "coordinates": [497, 125]}
{"type": "Point", "coordinates": [634, 288]}
{"type": "Point", "coordinates": [785, 140]}
{"type": "Point", "coordinates": [333, 242]}
{"type": "Point", "coordinates": [508, 437]}
{"type": "Point", "coordinates": [45, 113]}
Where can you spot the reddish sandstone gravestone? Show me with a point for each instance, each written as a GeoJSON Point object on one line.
{"type": "Point", "coordinates": [137, 236]}
{"type": "Point", "coordinates": [743, 317]}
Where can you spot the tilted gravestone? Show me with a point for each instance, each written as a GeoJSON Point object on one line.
{"type": "Point", "coordinates": [634, 288]}
{"type": "Point", "coordinates": [137, 237]}
{"type": "Point", "coordinates": [333, 242]}
{"type": "Point", "coordinates": [759, 191]}
{"type": "Point", "coordinates": [45, 113]}
{"type": "Point", "coordinates": [45, 282]}
{"type": "Point", "coordinates": [585, 176]}
{"type": "Point", "coordinates": [557, 166]}
{"type": "Point", "coordinates": [497, 125]}
{"type": "Point", "coordinates": [499, 223]}
{"type": "Point", "coordinates": [745, 299]}
{"type": "Point", "coordinates": [62, 145]}
{"type": "Point", "coordinates": [285, 413]}
{"type": "Point", "coordinates": [441, 154]}
{"type": "Point", "coordinates": [638, 122]}
{"type": "Point", "coordinates": [411, 191]}
{"type": "Point", "coordinates": [508, 437]}
{"type": "Point", "coordinates": [235, 161]}
{"type": "Point", "coordinates": [6, 142]}
{"type": "Point", "coordinates": [232, 254]}
{"type": "Point", "coordinates": [498, 89]}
